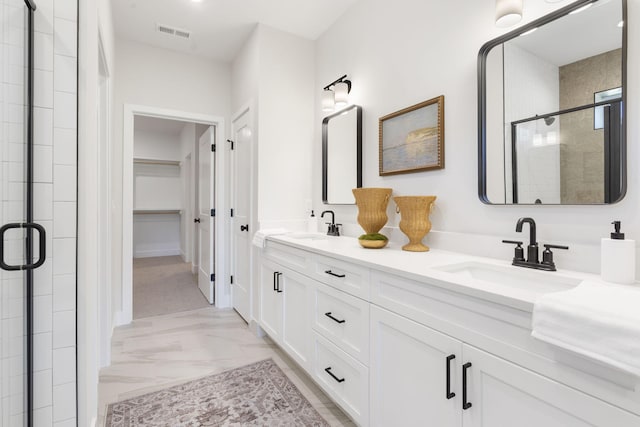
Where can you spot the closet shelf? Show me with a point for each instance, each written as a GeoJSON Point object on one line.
{"type": "Point", "coordinates": [143, 161]}
{"type": "Point", "coordinates": [156, 211]}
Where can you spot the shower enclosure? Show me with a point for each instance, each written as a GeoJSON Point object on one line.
{"type": "Point", "coordinates": [22, 242]}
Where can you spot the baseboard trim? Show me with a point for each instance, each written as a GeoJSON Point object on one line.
{"type": "Point", "coordinates": [156, 252]}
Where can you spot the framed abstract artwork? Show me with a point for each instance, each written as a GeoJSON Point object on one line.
{"type": "Point", "coordinates": [412, 139]}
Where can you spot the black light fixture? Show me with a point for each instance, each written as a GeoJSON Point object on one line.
{"type": "Point", "coordinates": [336, 94]}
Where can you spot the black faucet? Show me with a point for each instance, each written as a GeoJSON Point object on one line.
{"type": "Point", "coordinates": [532, 248]}
{"type": "Point", "coordinates": [334, 229]}
{"type": "Point", "coordinates": [533, 260]}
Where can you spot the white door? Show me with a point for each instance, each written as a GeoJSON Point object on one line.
{"type": "Point", "coordinates": [206, 199]}
{"type": "Point", "coordinates": [241, 217]}
{"type": "Point", "coordinates": [409, 381]}
{"type": "Point", "coordinates": [502, 394]}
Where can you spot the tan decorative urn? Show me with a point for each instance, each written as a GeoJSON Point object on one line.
{"type": "Point", "coordinates": [372, 212]}
{"type": "Point", "coordinates": [414, 219]}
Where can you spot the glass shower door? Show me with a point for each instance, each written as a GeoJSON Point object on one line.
{"type": "Point", "coordinates": [21, 241]}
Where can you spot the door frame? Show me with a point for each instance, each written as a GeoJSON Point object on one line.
{"type": "Point", "coordinates": [254, 288]}
{"type": "Point", "coordinates": [130, 111]}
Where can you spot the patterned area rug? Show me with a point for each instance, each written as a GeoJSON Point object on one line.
{"type": "Point", "coordinates": [259, 394]}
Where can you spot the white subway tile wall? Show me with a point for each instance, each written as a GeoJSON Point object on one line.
{"type": "Point", "coordinates": [55, 81]}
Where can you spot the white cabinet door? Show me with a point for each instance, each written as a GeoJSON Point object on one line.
{"type": "Point", "coordinates": [271, 300]}
{"type": "Point", "coordinates": [502, 394]}
{"type": "Point", "coordinates": [297, 293]}
{"type": "Point", "coordinates": [408, 381]}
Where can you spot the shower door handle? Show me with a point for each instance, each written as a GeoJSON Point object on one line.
{"type": "Point", "coordinates": [42, 246]}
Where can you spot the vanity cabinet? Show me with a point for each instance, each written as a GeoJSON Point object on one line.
{"type": "Point", "coordinates": [391, 350]}
{"type": "Point", "coordinates": [409, 383]}
{"type": "Point", "coordinates": [455, 384]}
{"type": "Point", "coordinates": [285, 315]}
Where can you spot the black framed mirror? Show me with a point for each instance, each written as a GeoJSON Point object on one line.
{"type": "Point", "coordinates": [551, 109]}
{"type": "Point", "coordinates": [341, 155]}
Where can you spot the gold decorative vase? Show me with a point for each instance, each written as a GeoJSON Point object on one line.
{"type": "Point", "coordinates": [414, 219]}
{"type": "Point", "coordinates": [372, 212]}
{"type": "Point", "coordinates": [372, 207]}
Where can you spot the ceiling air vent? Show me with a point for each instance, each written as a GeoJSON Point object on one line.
{"type": "Point", "coordinates": [172, 31]}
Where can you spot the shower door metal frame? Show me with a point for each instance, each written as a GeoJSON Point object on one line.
{"type": "Point", "coordinates": [28, 225]}
{"type": "Point", "coordinates": [31, 6]}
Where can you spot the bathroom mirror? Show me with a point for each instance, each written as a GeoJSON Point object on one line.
{"type": "Point", "coordinates": [341, 155]}
{"type": "Point", "coordinates": [551, 96]}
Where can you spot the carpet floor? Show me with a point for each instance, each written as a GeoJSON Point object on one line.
{"type": "Point", "coordinates": [164, 285]}
{"type": "Point", "coordinates": [259, 394]}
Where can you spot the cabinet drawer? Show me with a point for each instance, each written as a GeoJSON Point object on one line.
{"type": "Point", "coordinates": [345, 276]}
{"type": "Point", "coordinates": [343, 378]}
{"type": "Point", "coordinates": [344, 320]}
{"type": "Point", "coordinates": [296, 259]}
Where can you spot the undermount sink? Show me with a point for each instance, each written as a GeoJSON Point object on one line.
{"type": "Point", "coordinates": [307, 236]}
{"type": "Point", "coordinates": [515, 277]}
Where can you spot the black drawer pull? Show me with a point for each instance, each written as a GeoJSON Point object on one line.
{"type": "Point", "coordinates": [278, 282]}
{"type": "Point", "coordinates": [465, 404]}
{"type": "Point", "coordinates": [334, 274]}
{"type": "Point", "coordinates": [450, 394]}
{"type": "Point", "coordinates": [328, 314]}
{"type": "Point", "coordinates": [328, 371]}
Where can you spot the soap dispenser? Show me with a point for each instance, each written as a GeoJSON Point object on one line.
{"type": "Point", "coordinates": [312, 223]}
{"type": "Point", "coordinates": [618, 258]}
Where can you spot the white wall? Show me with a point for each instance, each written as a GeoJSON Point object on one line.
{"type": "Point", "coordinates": [156, 145]}
{"type": "Point", "coordinates": [161, 78]}
{"type": "Point", "coordinates": [531, 86]}
{"type": "Point", "coordinates": [416, 58]}
{"type": "Point", "coordinates": [273, 75]}
{"type": "Point", "coordinates": [94, 22]}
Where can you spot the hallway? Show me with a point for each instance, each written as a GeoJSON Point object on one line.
{"type": "Point", "coordinates": [157, 352]}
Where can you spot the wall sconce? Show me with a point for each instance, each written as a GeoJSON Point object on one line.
{"type": "Point", "coordinates": [508, 12]}
{"type": "Point", "coordinates": [339, 96]}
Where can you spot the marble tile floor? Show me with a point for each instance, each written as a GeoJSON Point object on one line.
{"type": "Point", "coordinates": [158, 352]}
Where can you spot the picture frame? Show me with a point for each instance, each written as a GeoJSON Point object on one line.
{"type": "Point", "coordinates": [412, 139]}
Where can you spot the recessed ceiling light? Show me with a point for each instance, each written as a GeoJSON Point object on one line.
{"type": "Point", "coordinates": [580, 9]}
{"type": "Point", "coordinates": [197, 1]}
{"type": "Point", "coordinates": [528, 32]}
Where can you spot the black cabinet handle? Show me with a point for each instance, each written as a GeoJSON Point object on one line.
{"type": "Point", "coordinates": [465, 404]}
{"type": "Point", "coordinates": [275, 274]}
{"type": "Point", "coordinates": [196, 220]}
{"type": "Point", "coordinates": [328, 371]}
{"type": "Point", "coordinates": [450, 394]}
{"type": "Point", "coordinates": [328, 314]}
{"type": "Point", "coordinates": [334, 274]}
{"type": "Point", "coordinates": [244, 227]}
{"type": "Point", "coordinates": [278, 282]}
{"type": "Point", "coordinates": [42, 254]}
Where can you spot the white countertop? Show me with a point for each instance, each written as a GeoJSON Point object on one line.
{"type": "Point", "coordinates": [424, 266]}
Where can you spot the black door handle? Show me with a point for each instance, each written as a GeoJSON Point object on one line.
{"type": "Point", "coordinates": [196, 220]}
{"type": "Point", "coordinates": [334, 274]}
{"type": "Point", "coordinates": [465, 404]}
{"type": "Point", "coordinates": [450, 394]}
{"type": "Point", "coordinates": [328, 371]}
{"type": "Point", "coordinates": [275, 275]}
{"type": "Point", "coordinates": [42, 246]}
{"type": "Point", "coordinates": [278, 282]}
{"type": "Point", "coordinates": [328, 314]}
{"type": "Point", "coordinates": [244, 227]}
